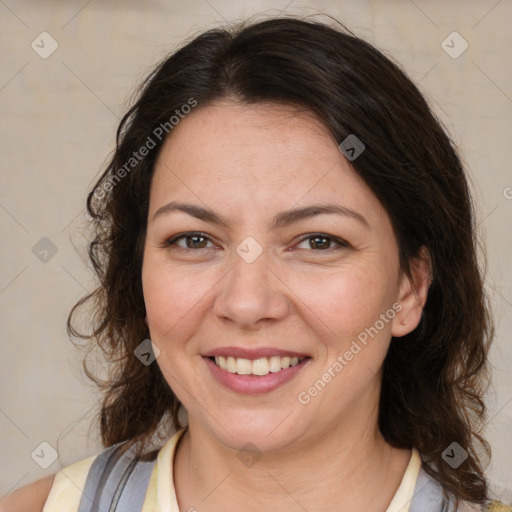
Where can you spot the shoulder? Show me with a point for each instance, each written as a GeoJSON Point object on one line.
{"type": "Point", "coordinates": [492, 506]}
{"type": "Point", "coordinates": [57, 492]}
{"type": "Point", "coordinates": [65, 493]}
{"type": "Point", "coordinates": [29, 498]}
{"type": "Point", "coordinates": [497, 506]}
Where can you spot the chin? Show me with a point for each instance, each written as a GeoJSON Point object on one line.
{"type": "Point", "coordinates": [268, 431]}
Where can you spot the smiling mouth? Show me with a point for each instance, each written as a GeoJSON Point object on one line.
{"type": "Point", "coordinates": [261, 366]}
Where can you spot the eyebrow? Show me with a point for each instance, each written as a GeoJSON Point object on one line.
{"type": "Point", "coordinates": [282, 219]}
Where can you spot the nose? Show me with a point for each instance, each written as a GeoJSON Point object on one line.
{"type": "Point", "coordinates": [251, 294]}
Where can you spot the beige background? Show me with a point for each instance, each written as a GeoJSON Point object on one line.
{"type": "Point", "coordinates": [59, 117]}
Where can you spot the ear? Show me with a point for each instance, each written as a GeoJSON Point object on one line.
{"type": "Point", "coordinates": [412, 294]}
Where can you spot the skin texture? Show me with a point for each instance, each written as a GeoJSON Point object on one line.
{"type": "Point", "coordinates": [29, 498]}
{"type": "Point", "coordinates": [247, 164]}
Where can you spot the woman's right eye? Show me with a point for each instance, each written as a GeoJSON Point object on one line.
{"type": "Point", "coordinates": [188, 241]}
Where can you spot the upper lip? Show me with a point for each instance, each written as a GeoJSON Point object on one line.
{"type": "Point", "coordinates": [252, 353]}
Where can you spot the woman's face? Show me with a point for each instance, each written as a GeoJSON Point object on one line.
{"type": "Point", "coordinates": [262, 247]}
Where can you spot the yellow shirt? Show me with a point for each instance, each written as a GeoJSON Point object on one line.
{"type": "Point", "coordinates": [69, 482]}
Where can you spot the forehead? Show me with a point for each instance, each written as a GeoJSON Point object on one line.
{"type": "Point", "coordinates": [232, 131]}
{"type": "Point", "coordinates": [227, 133]}
{"type": "Point", "coordinates": [223, 153]}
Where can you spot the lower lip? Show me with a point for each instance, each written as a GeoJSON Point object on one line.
{"type": "Point", "coordinates": [254, 384]}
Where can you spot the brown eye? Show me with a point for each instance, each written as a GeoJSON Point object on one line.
{"type": "Point", "coordinates": [196, 241]}
{"type": "Point", "coordinates": [192, 241]}
{"type": "Point", "coordinates": [322, 243]}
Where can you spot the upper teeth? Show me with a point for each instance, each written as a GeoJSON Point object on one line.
{"type": "Point", "coordinates": [261, 366]}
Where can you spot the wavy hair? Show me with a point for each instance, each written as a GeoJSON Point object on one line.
{"type": "Point", "coordinates": [435, 377]}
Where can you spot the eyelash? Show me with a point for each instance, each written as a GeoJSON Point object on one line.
{"type": "Point", "coordinates": [172, 241]}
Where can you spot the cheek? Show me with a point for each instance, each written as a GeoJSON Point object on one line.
{"type": "Point", "coordinates": [346, 302]}
{"type": "Point", "coordinates": [174, 307]}
{"type": "Point", "coordinates": [174, 299]}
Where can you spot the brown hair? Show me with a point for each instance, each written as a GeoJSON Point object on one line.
{"type": "Point", "coordinates": [434, 378]}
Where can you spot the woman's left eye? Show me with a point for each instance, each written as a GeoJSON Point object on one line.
{"type": "Point", "coordinates": [322, 242]}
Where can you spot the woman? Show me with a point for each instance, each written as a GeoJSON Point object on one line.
{"type": "Point", "coordinates": [290, 226]}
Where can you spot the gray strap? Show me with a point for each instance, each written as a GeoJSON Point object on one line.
{"type": "Point", "coordinates": [132, 499]}
{"type": "Point", "coordinates": [428, 495]}
{"type": "Point", "coordinates": [103, 464]}
{"type": "Point", "coordinates": [116, 482]}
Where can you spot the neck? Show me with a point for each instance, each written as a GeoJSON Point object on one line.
{"type": "Point", "coordinates": [342, 468]}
